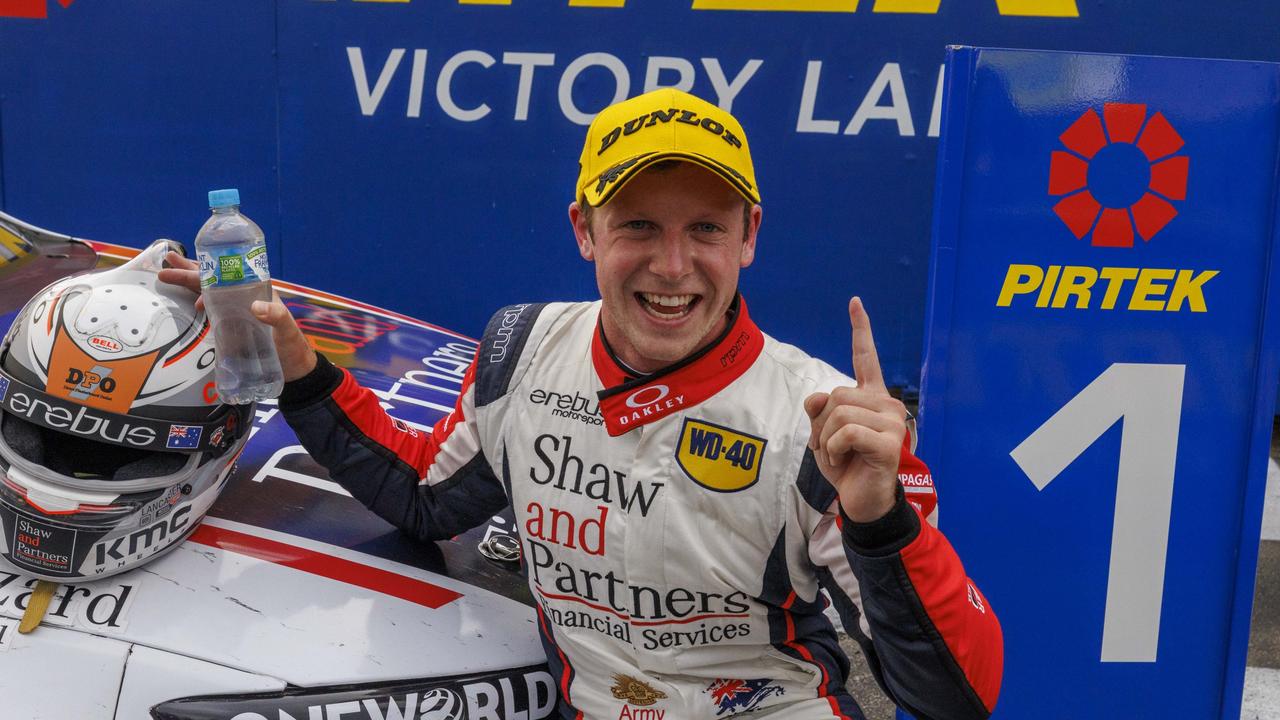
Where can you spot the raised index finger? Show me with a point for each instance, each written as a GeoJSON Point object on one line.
{"type": "Point", "coordinates": [866, 363]}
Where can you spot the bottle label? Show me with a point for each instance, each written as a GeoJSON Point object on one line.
{"type": "Point", "coordinates": [232, 267]}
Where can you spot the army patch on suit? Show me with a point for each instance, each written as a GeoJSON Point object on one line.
{"type": "Point", "coordinates": [634, 691]}
{"type": "Point", "coordinates": [719, 458]}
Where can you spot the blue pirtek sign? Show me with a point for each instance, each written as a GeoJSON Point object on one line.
{"type": "Point", "coordinates": [1100, 368]}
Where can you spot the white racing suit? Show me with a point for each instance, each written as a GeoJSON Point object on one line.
{"type": "Point", "coordinates": [675, 529]}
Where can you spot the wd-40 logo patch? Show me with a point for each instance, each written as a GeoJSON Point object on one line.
{"type": "Point", "coordinates": [719, 458]}
{"type": "Point", "coordinates": [1119, 174]}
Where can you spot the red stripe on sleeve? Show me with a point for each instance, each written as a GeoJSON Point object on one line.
{"type": "Point", "coordinates": [414, 447]}
{"type": "Point", "coordinates": [804, 652]}
{"type": "Point", "coordinates": [566, 674]}
{"type": "Point", "coordinates": [959, 611]}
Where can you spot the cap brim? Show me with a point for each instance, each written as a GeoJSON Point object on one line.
{"type": "Point", "coordinates": [598, 193]}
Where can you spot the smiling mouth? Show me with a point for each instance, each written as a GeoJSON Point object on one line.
{"type": "Point", "coordinates": [667, 307]}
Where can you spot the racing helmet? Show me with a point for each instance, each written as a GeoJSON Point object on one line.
{"type": "Point", "coordinates": [113, 442]}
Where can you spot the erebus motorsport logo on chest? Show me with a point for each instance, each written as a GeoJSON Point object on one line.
{"type": "Point", "coordinates": [573, 406]}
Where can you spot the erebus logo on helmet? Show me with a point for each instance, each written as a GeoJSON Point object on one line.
{"type": "Point", "coordinates": [82, 422]}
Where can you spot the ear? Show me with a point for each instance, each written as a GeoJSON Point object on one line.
{"type": "Point", "coordinates": [582, 231]}
{"type": "Point", "coordinates": [749, 239]}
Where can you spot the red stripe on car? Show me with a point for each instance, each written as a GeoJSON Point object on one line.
{"type": "Point", "coordinates": [327, 566]}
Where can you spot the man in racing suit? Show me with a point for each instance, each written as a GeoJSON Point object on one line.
{"type": "Point", "coordinates": [684, 485]}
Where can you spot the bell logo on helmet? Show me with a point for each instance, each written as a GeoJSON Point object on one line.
{"type": "Point", "coordinates": [105, 344]}
{"type": "Point", "coordinates": [83, 422]}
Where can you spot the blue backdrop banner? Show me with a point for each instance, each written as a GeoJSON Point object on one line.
{"type": "Point", "coordinates": [421, 154]}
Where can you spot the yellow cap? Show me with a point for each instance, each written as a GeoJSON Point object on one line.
{"type": "Point", "coordinates": [665, 124]}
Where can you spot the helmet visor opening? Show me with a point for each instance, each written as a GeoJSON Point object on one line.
{"type": "Point", "coordinates": [82, 458]}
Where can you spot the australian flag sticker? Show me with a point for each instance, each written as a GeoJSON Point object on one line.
{"type": "Point", "coordinates": [732, 696]}
{"type": "Point", "coordinates": [4, 387]}
{"type": "Point", "coordinates": [183, 437]}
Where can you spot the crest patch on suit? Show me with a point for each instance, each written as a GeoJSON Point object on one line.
{"type": "Point", "coordinates": [719, 458]}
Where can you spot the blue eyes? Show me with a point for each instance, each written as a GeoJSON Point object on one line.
{"type": "Point", "coordinates": [647, 225]}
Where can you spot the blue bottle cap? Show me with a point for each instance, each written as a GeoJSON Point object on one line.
{"type": "Point", "coordinates": [223, 198]}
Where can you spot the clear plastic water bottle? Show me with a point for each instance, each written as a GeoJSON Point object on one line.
{"type": "Point", "coordinates": [233, 273]}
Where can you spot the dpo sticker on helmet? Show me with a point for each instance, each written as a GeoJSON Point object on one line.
{"type": "Point", "coordinates": [104, 384]}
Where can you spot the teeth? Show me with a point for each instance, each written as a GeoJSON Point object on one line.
{"type": "Point", "coordinates": [667, 300]}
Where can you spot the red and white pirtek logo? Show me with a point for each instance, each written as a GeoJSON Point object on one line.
{"type": "Point", "coordinates": [1091, 145]}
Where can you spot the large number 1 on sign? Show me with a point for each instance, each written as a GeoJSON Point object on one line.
{"type": "Point", "coordinates": [1148, 398]}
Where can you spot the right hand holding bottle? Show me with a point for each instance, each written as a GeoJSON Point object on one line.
{"type": "Point", "coordinates": [297, 358]}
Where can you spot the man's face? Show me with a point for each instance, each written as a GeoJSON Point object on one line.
{"type": "Point", "coordinates": [667, 250]}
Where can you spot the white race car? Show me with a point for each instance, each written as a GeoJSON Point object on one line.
{"type": "Point", "coordinates": [289, 601]}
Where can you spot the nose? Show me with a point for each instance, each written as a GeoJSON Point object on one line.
{"type": "Point", "coordinates": [672, 256]}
